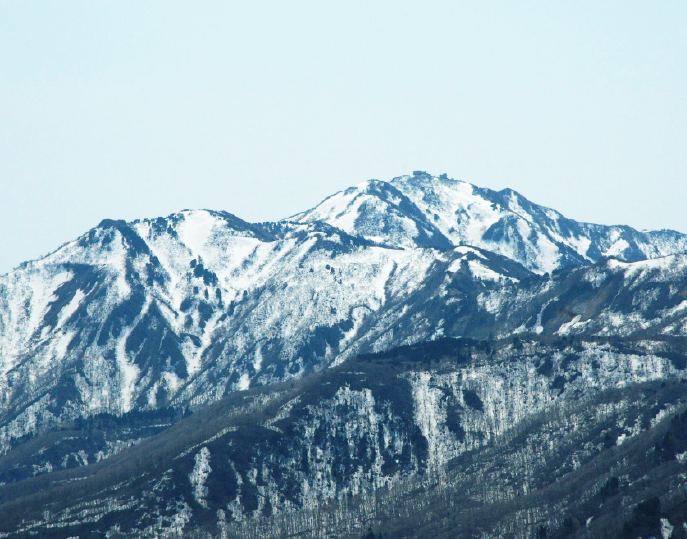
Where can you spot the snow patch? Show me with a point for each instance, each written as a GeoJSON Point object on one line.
{"type": "Point", "coordinates": [70, 308]}
{"type": "Point", "coordinates": [617, 248]}
{"type": "Point", "coordinates": [483, 273]}
{"type": "Point", "coordinates": [244, 382]}
{"type": "Point", "coordinates": [196, 229]}
{"type": "Point", "coordinates": [199, 475]}
{"type": "Point", "coordinates": [666, 529]}
{"type": "Point", "coordinates": [464, 249]}
{"type": "Point", "coordinates": [128, 369]}
{"type": "Point", "coordinates": [257, 361]}
{"type": "Point", "coordinates": [568, 325]}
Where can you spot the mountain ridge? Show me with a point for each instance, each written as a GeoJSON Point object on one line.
{"type": "Point", "coordinates": [156, 318]}
{"type": "Point", "coordinates": [503, 221]}
{"type": "Point", "coordinates": [167, 304]}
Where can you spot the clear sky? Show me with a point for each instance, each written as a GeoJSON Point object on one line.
{"type": "Point", "coordinates": [130, 109]}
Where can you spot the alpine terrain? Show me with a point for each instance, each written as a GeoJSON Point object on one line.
{"type": "Point", "coordinates": [412, 358]}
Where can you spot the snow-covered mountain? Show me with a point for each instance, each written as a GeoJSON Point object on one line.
{"type": "Point", "coordinates": [181, 310]}
{"type": "Point", "coordinates": [148, 319]}
{"type": "Point", "coordinates": [184, 309]}
{"type": "Point", "coordinates": [423, 210]}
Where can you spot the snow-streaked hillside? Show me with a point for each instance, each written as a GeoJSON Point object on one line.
{"type": "Point", "coordinates": [426, 210]}
{"type": "Point", "coordinates": [182, 310]}
{"type": "Point", "coordinates": [116, 335]}
{"type": "Point", "coordinates": [609, 298]}
{"type": "Point", "coordinates": [482, 425]}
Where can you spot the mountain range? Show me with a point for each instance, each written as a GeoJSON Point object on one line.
{"type": "Point", "coordinates": [420, 346]}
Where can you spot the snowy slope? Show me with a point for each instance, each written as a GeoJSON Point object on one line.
{"type": "Point", "coordinates": [201, 306]}
{"type": "Point", "coordinates": [610, 298]}
{"type": "Point", "coordinates": [427, 210]}
{"type": "Point", "coordinates": [185, 309]}
{"type": "Point", "coordinates": [484, 425]}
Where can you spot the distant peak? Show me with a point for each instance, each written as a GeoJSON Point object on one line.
{"type": "Point", "coordinates": [111, 223]}
{"type": "Point", "coordinates": [426, 175]}
{"type": "Point", "coordinates": [421, 176]}
{"type": "Point", "coordinates": [369, 183]}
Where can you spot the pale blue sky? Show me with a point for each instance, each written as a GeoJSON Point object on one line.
{"type": "Point", "coordinates": [137, 109]}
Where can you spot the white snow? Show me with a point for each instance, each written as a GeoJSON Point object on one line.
{"type": "Point", "coordinates": [244, 382]}
{"type": "Point", "coordinates": [455, 265]}
{"type": "Point", "coordinates": [463, 215]}
{"type": "Point", "coordinates": [195, 230]}
{"type": "Point", "coordinates": [129, 372]}
{"type": "Point", "coordinates": [568, 325]}
{"type": "Point", "coordinates": [257, 362]}
{"type": "Point", "coordinates": [199, 475]}
{"type": "Point", "coordinates": [464, 250]}
{"type": "Point", "coordinates": [479, 271]}
{"type": "Point", "coordinates": [70, 308]}
{"type": "Point", "coordinates": [318, 287]}
{"type": "Point", "coordinates": [430, 416]}
{"type": "Point", "coordinates": [617, 248]}
{"type": "Point", "coordinates": [666, 529]}
{"type": "Point", "coordinates": [62, 343]}
{"type": "Point", "coordinates": [549, 255]}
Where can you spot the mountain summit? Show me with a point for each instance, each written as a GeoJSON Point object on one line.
{"type": "Point", "coordinates": [428, 211]}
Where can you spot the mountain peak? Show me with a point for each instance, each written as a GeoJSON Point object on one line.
{"type": "Point", "coordinates": [422, 210]}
